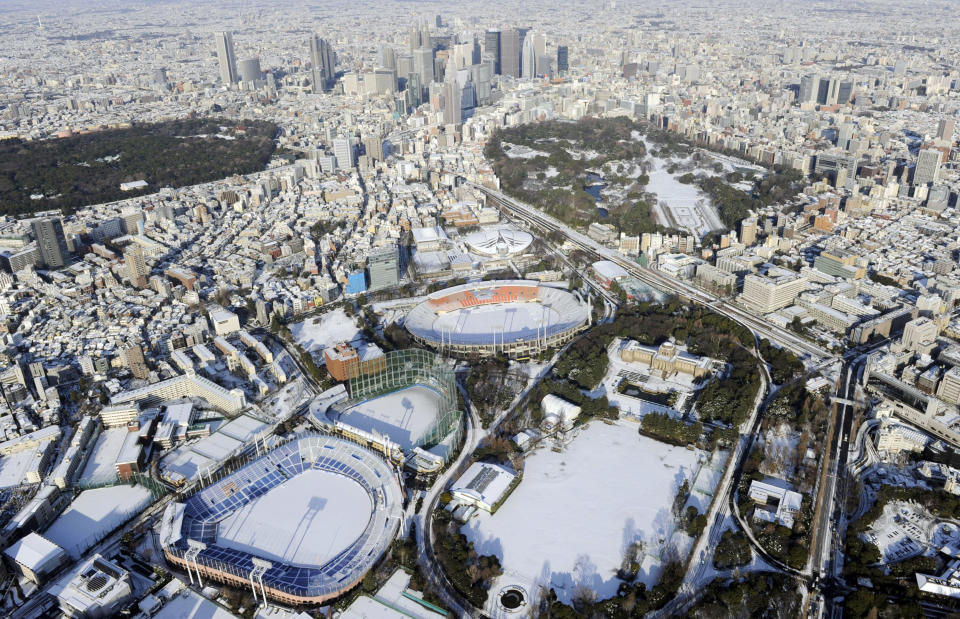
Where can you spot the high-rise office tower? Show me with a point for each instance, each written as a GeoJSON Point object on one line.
{"type": "Point", "coordinates": [845, 92]}
{"type": "Point", "coordinates": [425, 40]}
{"type": "Point", "coordinates": [386, 57]}
{"type": "Point", "coordinates": [373, 146]}
{"type": "Point", "coordinates": [945, 129]}
{"type": "Point", "coordinates": [491, 47]}
{"type": "Point", "coordinates": [136, 264]}
{"type": "Point", "coordinates": [414, 92]}
{"type": "Point", "coordinates": [322, 62]}
{"type": "Point", "coordinates": [809, 85]}
{"type": "Point", "coordinates": [439, 22]}
{"type": "Point", "coordinates": [539, 44]}
{"type": "Point", "coordinates": [226, 57]}
{"type": "Point", "coordinates": [413, 39]}
{"type": "Point", "coordinates": [510, 52]}
{"type": "Point", "coordinates": [544, 66]}
{"type": "Point", "coordinates": [383, 266]}
{"type": "Point", "coordinates": [928, 167]}
{"type": "Point", "coordinates": [343, 151]}
{"type": "Point", "coordinates": [451, 102]}
{"type": "Point", "coordinates": [528, 57]}
{"type": "Point", "coordinates": [563, 59]}
{"type": "Point", "coordinates": [833, 91]}
{"type": "Point", "coordinates": [250, 70]}
{"type": "Point", "coordinates": [481, 74]}
{"type": "Point", "coordinates": [51, 242]}
{"type": "Point", "coordinates": [423, 64]}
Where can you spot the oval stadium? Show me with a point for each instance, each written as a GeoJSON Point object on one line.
{"type": "Point", "coordinates": [513, 317]}
{"type": "Point", "coordinates": [300, 524]}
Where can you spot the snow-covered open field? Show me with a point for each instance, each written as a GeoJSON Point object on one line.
{"type": "Point", "coordinates": [569, 521]}
{"type": "Point", "coordinates": [404, 416]}
{"type": "Point", "coordinates": [686, 204]}
{"type": "Point", "coordinates": [518, 151]}
{"type": "Point", "coordinates": [306, 520]}
{"type": "Point", "coordinates": [319, 332]}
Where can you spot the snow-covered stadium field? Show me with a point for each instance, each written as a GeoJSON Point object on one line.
{"type": "Point", "coordinates": [307, 520]}
{"type": "Point", "coordinates": [504, 321]}
{"type": "Point", "coordinates": [404, 416]}
{"type": "Point", "coordinates": [569, 521]}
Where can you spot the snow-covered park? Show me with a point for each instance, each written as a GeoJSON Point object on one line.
{"type": "Point", "coordinates": [569, 522]}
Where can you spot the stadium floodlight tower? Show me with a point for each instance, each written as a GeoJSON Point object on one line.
{"type": "Point", "coordinates": [195, 549]}
{"type": "Point", "coordinates": [260, 566]}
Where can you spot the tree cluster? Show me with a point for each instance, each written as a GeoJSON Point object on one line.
{"type": "Point", "coordinates": [663, 427]}
{"type": "Point", "coordinates": [733, 550]}
{"type": "Point", "coordinates": [757, 595]}
{"type": "Point", "coordinates": [88, 169]}
{"type": "Point", "coordinates": [469, 572]}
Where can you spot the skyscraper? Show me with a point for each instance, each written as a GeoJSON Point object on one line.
{"type": "Point", "coordinates": [808, 88]}
{"type": "Point", "coordinates": [928, 167]}
{"type": "Point", "coordinates": [945, 129]}
{"type": "Point", "coordinates": [383, 266]}
{"type": "Point", "coordinates": [423, 64]}
{"type": "Point", "coordinates": [137, 270]}
{"type": "Point", "coordinates": [451, 102]}
{"type": "Point", "coordinates": [414, 93]}
{"type": "Point", "coordinates": [343, 151]}
{"type": "Point", "coordinates": [386, 57]}
{"type": "Point", "coordinates": [50, 241]}
{"type": "Point", "coordinates": [510, 52]}
{"type": "Point", "coordinates": [528, 57]}
{"type": "Point", "coordinates": [226, 57]}
{"type": "Point", "coordinates": [491, 46]}
{"type": "Point", "coordinates": [250, 70]}
{"type": "Point", "coordinates": [322, 62]}
{"type": "Point", "coordinates": [845, 93]}
{"type": "Point", "coordinates": [563, 59]}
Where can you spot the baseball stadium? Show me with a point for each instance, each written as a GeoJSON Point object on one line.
{"type": "Point", "coordinates": [513, 317]}
{"type": "Point", "coordinates": [403, 405]}
{"type": "Point", "coordinates": [300, 524]}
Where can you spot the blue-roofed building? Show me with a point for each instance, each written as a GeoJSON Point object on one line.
{"type": "Point", "coordinates": [356, 283]}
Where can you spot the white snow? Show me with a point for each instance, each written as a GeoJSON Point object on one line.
{"type": "Point", "coordinates": [319, 332]}
{"type": "Point", "coordinates": [14, 468]}
{"type": "Point", "coordinates": [306, 520]}
{"type": "Point", "coordinates": [688, 207]}
{"type": "Point", "coordinates": [569, 521]}
{"type": "Point", "coordinates": [101, 466]}
{"type": "Point", "coordinates": [507, 321]}
{"type": "Point", "coordinates": [94, 514]}
{"type": "Point", "coordinates": [517, 151]}
{"type": "Point", "coordinates": [404, 416]}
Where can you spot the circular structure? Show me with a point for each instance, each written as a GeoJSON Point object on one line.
{"type": "Point", "coordinates": [515, 317]}
{"type": "Point", "coordinates": [512, 599]}
{"type": "Point", "coordinates": [304, 521]}
{"type": "Point", "coordinates": [498, 242]}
